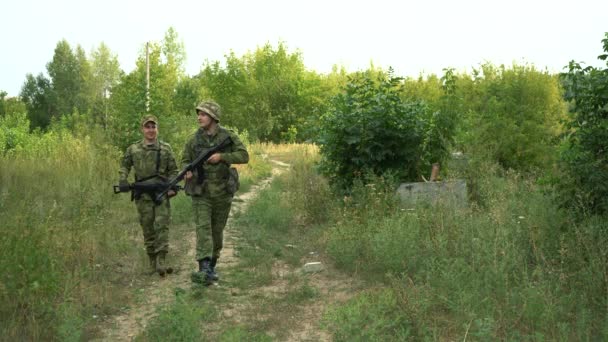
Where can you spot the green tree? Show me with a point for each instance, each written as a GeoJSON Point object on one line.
{"type": "Point", "coordinates": [584, 151]}
{"type": "Point", "coordinates": [315, 94]}
{"type": "Point", "coordinates": [63, 70]}
{"type": "Point", "coordinates": [188, 94]}
{"type": "Point", "coordinates": [128, 103]}
{"type": "Point", "coordinates": [440, 94]}
{"type": "Point", "coordinates": [39, 99]}
{"type": "Point", "coordinates": [129, 97]}
{"type": "Point", "coordinates": [106, 75]}
{"type": "Point", "coordinates": [85, 92]}
{"type": "Point", "coordinates": [174, 52]}
{"type": "Point", "coordinates": [10, 105]}
{"type": "Point", "coordinates": [513, 115]}
{"type": "Point", "coordinates": [267, 85]}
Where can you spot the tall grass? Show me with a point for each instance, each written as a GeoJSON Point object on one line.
{"type": "Point", "coordinates": [67, 243]}
{"type": "Point", "coordinates": [55, 241]}
{"type": "Point", "coordinates": [513, 268]}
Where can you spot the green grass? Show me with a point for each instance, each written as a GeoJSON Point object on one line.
{"type": "Point", "coordinates": [183, 320]}
{"type": "Point", "coordinates": [511, 267]}
{"type": "Point", "coordinates": [269, 231]}
{"type": "Point", "coordinates": [374, 316]}
{"type": "Point", "coordinates": [68, 245]}
{"type": "Point", "coordinates": [62, 227]}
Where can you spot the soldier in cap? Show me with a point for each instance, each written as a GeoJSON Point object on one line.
{"type": "Point", "coordinates": [211, 187]}
{"type": "Point", "coordinates": [153, 162]}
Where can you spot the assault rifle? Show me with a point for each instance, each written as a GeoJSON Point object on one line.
{"type": "Point", "coordinates": [195, 164]}
{"type": "Point", "coordinates": [139, 188]}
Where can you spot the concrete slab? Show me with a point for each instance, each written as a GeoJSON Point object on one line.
{"type": "Point", "coordinates": [451, 192]}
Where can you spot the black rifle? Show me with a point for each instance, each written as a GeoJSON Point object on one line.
{"type": "Point", "coordinates": [196, 163]}
{"type": "Point", "coordinates": [139, 188]}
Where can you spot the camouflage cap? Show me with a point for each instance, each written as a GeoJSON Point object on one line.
{"type": "Point", "coordinates": [211, 108]}
{"type": "Point", "coordinates": [149, 118]}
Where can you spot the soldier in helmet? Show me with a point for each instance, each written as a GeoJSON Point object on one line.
{"type": "Point", "coordinates": [211, 187]}
{"type": "Point", "coordinates": [153, 162]}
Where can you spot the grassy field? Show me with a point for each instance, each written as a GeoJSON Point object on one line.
{"type": "Point", "coordinates": [70, 247]}
{"type": "Point", "coordinates": [510, 266]}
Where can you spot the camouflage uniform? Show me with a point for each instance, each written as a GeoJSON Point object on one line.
{"type": "Point", "coordinates": [211, 198]}
{"type": "Point", "coordinates": [152, 164]}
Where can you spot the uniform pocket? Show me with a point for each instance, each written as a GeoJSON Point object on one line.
{"type": "Point", "coordinates": [232, 186]}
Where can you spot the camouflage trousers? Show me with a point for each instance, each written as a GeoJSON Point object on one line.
{"type": "Point", "coordinates": [210, 216]}
{"type": "Point", "coordinates": [154, 220]}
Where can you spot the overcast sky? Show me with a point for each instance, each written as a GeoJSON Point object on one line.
{"type": "Point", "coordinates": [414, 37]}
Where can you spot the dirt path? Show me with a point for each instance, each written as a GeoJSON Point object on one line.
{"type": "Point", "coordinates": [298, 325]}
{"type": "Point", "coordinates": [154, 292]}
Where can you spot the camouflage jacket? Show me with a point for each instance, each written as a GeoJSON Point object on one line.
{"type": "Point", "coordinates": [151, 163]}
{"type": "Point", "coordinates": [215, 176]}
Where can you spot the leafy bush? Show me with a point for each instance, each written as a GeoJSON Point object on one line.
{"type": "Point", "coordinates": [584, 152]}
{"type": "Point", "coordinates": [14, 131]}
{"type": "Point", "coordinates": [512, 116]}
{"type": "Point", "coordinates": [369, 128]}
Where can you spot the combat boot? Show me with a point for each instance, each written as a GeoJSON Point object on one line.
{"type": "Point", "coordinates": [161, 265]}
{"type": "Point", "coordinates": [202, 276]}
{"type": "Point", "coordinates": [211, 272]}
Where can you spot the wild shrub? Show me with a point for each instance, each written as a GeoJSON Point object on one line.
{"type": "Point", "coordinates": [512, 116]}
{"type": "Point", "coordinates": [585, 185]}
{"type": "Point", "coordinates": [369, 128]}
{"type": "Point", "coordinates": [14, 132]}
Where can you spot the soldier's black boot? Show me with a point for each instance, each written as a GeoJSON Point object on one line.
{"type": "Point", "coordinates": [212, 275]}
{"type": "Point", "coordinates": [202, 276]}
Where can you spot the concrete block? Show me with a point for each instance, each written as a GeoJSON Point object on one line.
{"type": "Point", "coordinates": [450, 192]}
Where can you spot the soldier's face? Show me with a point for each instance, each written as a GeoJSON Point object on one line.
{"type": "Point", "coordinates": [150, 131]}
{"type": "Point", "coordinates": [204, 120]}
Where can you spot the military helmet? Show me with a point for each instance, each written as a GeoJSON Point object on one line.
{"type": "Point", "coordinates": [211, 108]}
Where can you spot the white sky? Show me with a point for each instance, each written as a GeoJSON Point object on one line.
{"type": "Point", "coordinates": [414, 37]}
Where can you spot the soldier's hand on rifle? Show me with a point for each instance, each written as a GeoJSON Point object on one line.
{"type": "Point", "coordinates": [171, 193]}
{"type": "Point", "coordinates": [123, 186]}
{"type": "Point", "coordinates": [188, 175]}
{"type": "Point", "coordinates": [215, 158]}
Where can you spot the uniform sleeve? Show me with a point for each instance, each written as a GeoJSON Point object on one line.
{"type": "Point", "coordinates": [125, 165]}
{"type": "Point", "coordinates": [238, 153]}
